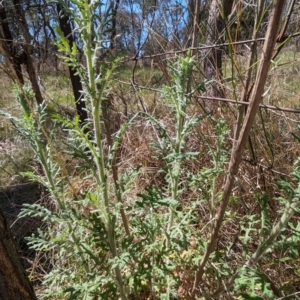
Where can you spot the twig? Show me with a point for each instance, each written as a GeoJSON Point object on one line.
{"type": "Point", "coordinates": [272, 107]}
{"type": "Point", "coordinates": [266, 106]}
{"type": "Point", "coordinates": [174, 52]}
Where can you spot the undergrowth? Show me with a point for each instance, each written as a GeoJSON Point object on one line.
{"type": "Point", "coordinates": [102, 241]}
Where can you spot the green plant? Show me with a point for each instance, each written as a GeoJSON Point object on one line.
{"type": "Point", "coordinates": [93, 253]}
{"type": "Point", "coordinates": [149, 259]}
{"type": "Point", "coordinates": [282, 235]}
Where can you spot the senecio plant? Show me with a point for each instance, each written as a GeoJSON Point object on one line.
{"type": "Point", "coordinates": [94, 249]}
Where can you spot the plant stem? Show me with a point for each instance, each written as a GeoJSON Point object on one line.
{"type": "Point", "coordinates": [114, 167]}
{"type": "Point", "coordinates": [175, 171]}
{"type": "Point", "coordinates": [96, 98]}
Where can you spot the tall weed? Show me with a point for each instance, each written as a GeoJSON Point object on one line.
{"type": "Point", "coordinates": [101, 241]}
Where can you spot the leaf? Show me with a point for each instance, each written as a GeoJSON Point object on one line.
{"type": "Point", "coordinates": [167, 202]}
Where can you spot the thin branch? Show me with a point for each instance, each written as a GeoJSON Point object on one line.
{"type": "Point", "coordinates": [261, 105]}
{"type": "Point", "coordinates": [282, 37]}
{"type": "Point", "coordinates": [236, 158]}
{"type": "Point", "coordinates": [271, 107]}
{"type": "Point", "coordinates": [201, 48]}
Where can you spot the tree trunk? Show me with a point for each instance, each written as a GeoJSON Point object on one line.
{"type": "Point", "coordinates": [195, 4]}
{"type": "Point", "coordinates": [65, 27]}
{"type": "Point", "coordinates": [27, 48]}
{"type": "Point", "coordinates": [7, 48]}
{"type": "Point", "coordinates": [212, 63]}
{"type": "Point", "coordinates": [14, 284]}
